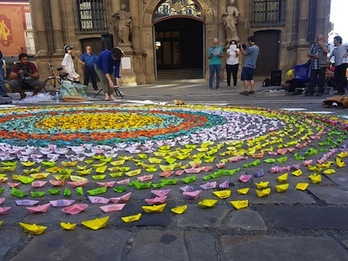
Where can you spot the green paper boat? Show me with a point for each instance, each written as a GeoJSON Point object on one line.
{"type": "Point", "coordinates": [17, 193]}
{"type": "Point", "coordinates": [54, 191]}
{"type": "Point", "coordinates": [97, 191]}
{"type": "Point", "coordinates": [36, 194]}
{"type": "Point", "coordinates": [67, 193]}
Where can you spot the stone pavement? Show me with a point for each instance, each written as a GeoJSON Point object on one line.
{"type": "Point", "coordinates": [296, 225]}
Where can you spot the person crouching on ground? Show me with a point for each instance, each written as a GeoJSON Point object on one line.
{"type": "Point", "coordinates": [107, 67]}
{"type": "Point", "coordinates": [25, 74]}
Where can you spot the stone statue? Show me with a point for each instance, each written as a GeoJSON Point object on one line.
{"type": "Point", "coordinates": [123, 25]}
{"type": "Point", "coordinates": [230, 20]}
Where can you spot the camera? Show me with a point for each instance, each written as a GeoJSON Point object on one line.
{"type": "Point", "coordinates": [26, 71]}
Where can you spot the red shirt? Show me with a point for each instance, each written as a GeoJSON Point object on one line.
{"type": "Point", "coordinates": [19, 66]}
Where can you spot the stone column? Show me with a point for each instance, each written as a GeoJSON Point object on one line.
{"type": "Point", "coordinates": [322, 19]}
{"type": "Point", "coordinates": [38, 7]}
{"type": "Point", "coordinates": [57, 27]}
{"type": "Point", "coordinates": [302, 28]}
{"type": "Point", "coordinates": [115, 7]}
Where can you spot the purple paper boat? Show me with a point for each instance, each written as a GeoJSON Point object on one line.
{"type": "Point", "coordinates": [26, 202]}
{"type": "Point", "coordinates": [4, 210]}
{"type": "Point", "coordinates": [208, 185]}
{"type": "Point", "coordinates": [98, 200]}
{"type": "Point", "coordinates": [245, 177]}
{"type": "Point", "coordinates": [62, 202]}
{"type": "Point", "coordinates": [38, 184]}
{"type": "Point", "coordinates": [121, 199]}
{"type": "Point", "coordinates": [112, 207]}
{"type": "Point", "coordinates": [156, 200]}
{"type": "Point", "coordinates": [161, 192]}
{"type": "Point", "coordinates": [224, 185]}
{"type": "Point", "coordinates": [186, 189]}
{"type": "Point", "coordinates": [192, 194]}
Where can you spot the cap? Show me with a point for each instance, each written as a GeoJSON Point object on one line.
{"type": "Point", "coordinates": [68, 47]}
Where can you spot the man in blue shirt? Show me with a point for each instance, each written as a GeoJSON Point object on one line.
{"type": "Point", "coordinates": [107, 67]}
{"type": "Point", "coordinates": [88, 60]}
{"type": "Point", "coordinates": [251, 53]}
{"type": "Point", "coordinates": [215, 53]}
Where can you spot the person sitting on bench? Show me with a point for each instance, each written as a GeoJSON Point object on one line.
{"type": "Point", "coordinates": [25, 76]}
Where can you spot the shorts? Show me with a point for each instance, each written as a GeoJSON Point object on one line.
{"type": "Point", "coordinates": [247, 74]}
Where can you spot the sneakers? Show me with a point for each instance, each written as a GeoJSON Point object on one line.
{"type": "Point", "coordinates": [252, 92]}
{"type": "Point", "coordinates": [246, 93]}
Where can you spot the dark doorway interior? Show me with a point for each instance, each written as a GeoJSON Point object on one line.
{"type": "Point", "coordinates": [268, 41]}
{"type": "Point", "coordinates": [179, 47]}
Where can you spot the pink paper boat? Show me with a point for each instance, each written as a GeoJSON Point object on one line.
{"type": "Point", "coordinates": [57, 183]}
{"type": "Point", "coordinates": [224, 185]}
{"type": "Point", "coordinates": [3, 211]}
{"type": "Point", "coordinates": [121, 199]}
{"type": "Point", "coordinates": [192, 194]}
{"type": "Point", "coordinates": [166, 173]}
{"type": "Point", "coordinates": [206, 168]}
{"type": "Point", "coordinates": [220, 165]}
{"type": "Point", "coordinates": [145, 178]}
{"type": "Point", "coordinates": [75, 209]}
{"type": "Point", "coordinates": [39, 209]}
{"type": "Point", "coordinates": [38, 184]}
{"type": "Point", "coordinates": [112, 207]}
{"type": "Point", "coordinates": [245, 178]}
{"type": "Point", "coordinates": [2, 200]}
{"type": "Point", "coordinates": [186, 189]}
{"type": "Point", "coordinates": [156, 200]}
{"type": "Point", "coordinates": [108, 184]}
{"type": "Point", "coordinates": [193, 170]}
{"type": "Point", "coordinates": [282, 151]}
{"type": "Point", "coordinates": [98, 200]}
{"type": "Point", "coordinates": [161, 192]}
{"type": "Point", "coordinates": [26, 202]}
{"type": "Point", "coordinates": [13, 184]}
{"type": "Point", "coordinates": [272, 153]}
{"type": "Point", "coordinates": [61, 202]}
{"type": "Point", "coordinates": [75, 184]}
{"type": "Point", "coordinates": [179, 172]}
{"type": "Point", "coordinates": [208, 185]}
{"type": "Point", "coordinates": [123, 182]}
{"type": "Point", "coordinates": [1, 181]}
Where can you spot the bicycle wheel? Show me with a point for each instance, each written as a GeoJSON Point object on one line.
{"type": "Point", "coordinates": [51, 85]}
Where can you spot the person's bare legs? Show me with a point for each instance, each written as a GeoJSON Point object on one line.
{"type": "Point", "coordinates": [252, 85]}
{"type": "Point", "coordinates": [246, 86]}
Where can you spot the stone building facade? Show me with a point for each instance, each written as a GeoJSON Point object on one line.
{"type": "Point", "coordinates": [174, 35]}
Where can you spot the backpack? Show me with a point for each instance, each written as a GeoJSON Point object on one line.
{"type": "Point", "coordinates": [266, 82]}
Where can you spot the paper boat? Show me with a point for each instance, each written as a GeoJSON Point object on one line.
{"type": "Point", "coordinates": [112, 207]}
{"type": "Point", "coordinates": [154, 209]}
{"type": "Point", "coordinates": [315, 178]}
{"type": "Point", "coordinates": [75, 209]}
{"type": "Point", "coordinates": [262, 185]}
{"type": "Point", "coordinates": [207, 203]}
{"type": "Point", "coordinates": [166, 173]}
{"type": "Point", "coordinates": [283, 177]}
{"type": "Point", "coordinates": [2, 200]}
{"type": "Point", "coordinates": [121, 199]}
{"type": "Point", "coordinates": [4, 210]}
{"type": "Point", "coordinates": [222, 194]}
{"type": "Point", "coordinates": [38, 184]}
{"type": "Point", "coordinates": [75, 184]}
{"type": "Point", "coordinates": [156, 200]}
{"type": "Point", "coordinates": [57, 183]}
{"type": "Point", "coordinates": [62, 202]}
{"type": "Point", "coordinates": [302, 186]}
{"type": "Point", "coordinates": [329, 171]}
{"type": "Point", "coordinates": [192, 194]}
{"type": "Point", "coordinates": [98, 200]}
{"type": "Point", "coordinates": [26, 202]}
{"type": "Point", "coordinates": [97, 191]}
{"type": "Point", "coordinates": [39, 209]}
{"type": "Point", "coordinates": [245, 178]}
{"type": "Point", "coordinates": [13, 184]}
{"type": "Point", "coordinates": [208, 185]}
{"type": "Point", "coordinates": [224, 185]}
{"type": "Point", "coordinates": [67, 226]}
{"type": "Point", "coordinates": [193, 170]}
{"type": "Point", "coordinates": [161, 192]}
{"type": "Point", "coordinates": [263, 192]}
{"type": "Point", "coordinates": [179, 210]}
{"type": "Point", "coordinates": [240, 204]}
{"type": "Point", "coordinates": [297, 173]}
{"type": "Point", "coordinates": [33, 228]}
{"type": "Point", "coordinates": [97, 223]}
{"type": "Point", "coordinates": [186, 189]}
{"type": "Point", "coordinates": [108, 184]}
{"type": "Point", "coordinates": [243, 191]}
{"type": "Point", "coordinates": [179, 172]}
{"type": "Point", "coordinates": [282, 188]}
{"type": "Point", "coordinates": [145, 178]}
{"type": "Point", "coordinates": [132, 218]}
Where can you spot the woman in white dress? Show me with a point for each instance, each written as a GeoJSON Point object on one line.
{"type": "Point", "coordinates": [68, 64]}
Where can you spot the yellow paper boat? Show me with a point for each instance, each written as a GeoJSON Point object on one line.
{"type": "Point", "coordinates": [243, 191]}
{"type": "Point", "coordinates": [1, 222]}
{"type": "Point", "coordinates": [28, 163]}
{"type": "Point", "coordinates": [343, 154]}
{"type": "Point", "coordinates": [315, 178]}
{"type": "Point", "coordinates": [125, 157]}
{"type": "Point", "coordinates": [263, 192]}
{"type": "Point", "coordinates": [9, 168]}
{"type": "Point", "coordinates": [151, 169]}
{"type": "Point", "coordinates": [84, 171]}
{"type": "Point", "coordinates": [69, 163]}
{"type": "Point", "coordinates": [262, 185]}
{"type": "Point", "coordinates": [313, 168]}
{"type": "Point", "coordinates": [99, 177]}
{"type": "Point", "coordinates": [179, 210]}
{"type": "Point", "coordinates": [40, 175]}
{"type": "Point", "coordinates": [67, 226]}
{"type": "Point", "coordinates": [99, 165]}
{"type": "Point", "coordinates": [101, 169]}
{"type": "Point", "coordinates": [207, 203]}
{"type": "Point", "coordinates": [340, 163]}
{"type": "Point", "coordinates": [282, 188]}
{"type": "Point", "coordinates": [132, 218]}
{"type": "Point", "coordinates": [222, 194]}
{"type": "Point", "coordinates": [283, 177]}
{"type": "Point", "coordinates": [77, 178]}
{"type": "Point", "coordinates": [79, 167]}
{"type": "Point", "coordinates": [326, 165]}
{"type": "Point", "coordinates": [97, 223]}
{"type": "Point", "coordinates": [133, 173]}
{"type": "Point", "coordinates": [297, 173]}
{"type": "Point", "coordinates": [302, 186]}
{"type": "Point", "coordinates": [113, 169]}
{"type": "Point", "coordinates": [165, 167]}
{"type": "Point", "coordinates": [33, 228]}
{"type": "Point", "coordinates": [117, 162]}
{"type": "Point", "coordinates": [154, 208]}
{"type": "Point", "coordinates": [31, 171]}
{"type": "Point", "coordinates": [329, 171]}
{"type": "Point", "coordinates": [240, 204]}
{"type": "Point", "coordinates": [116, 174]}
{"type": "Point", "coordinates": [142, 156]}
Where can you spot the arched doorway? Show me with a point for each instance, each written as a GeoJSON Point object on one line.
{"type": "Point", "coordinates": [179, 40]}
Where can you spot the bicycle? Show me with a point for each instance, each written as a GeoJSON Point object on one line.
{"type": "Point", "coordinates": [53, 82]}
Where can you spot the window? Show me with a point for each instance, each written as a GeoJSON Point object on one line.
{"type": "Point", "coordinates": [267, 12]}
{"type": "Point", "coordinates": [28, 25]}
{"type": "Point", "coordinates": [91, 15]}
{"type": "Point", "coordinates": [177, 7]}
